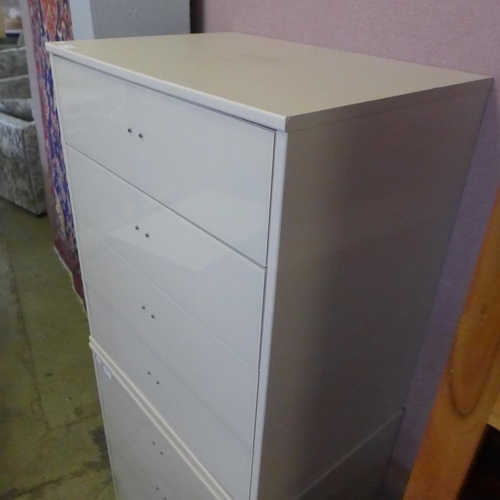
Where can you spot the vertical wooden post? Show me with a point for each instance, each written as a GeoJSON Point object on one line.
{"type": "Point", "coordinates": [469, 387]}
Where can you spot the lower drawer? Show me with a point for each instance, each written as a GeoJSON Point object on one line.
{"type": "Point", "coordinates": [119, 295]}
{"type": "Point", "coordinates": [202, 431]}
{"type": "Point", "coordinates": [137, 476]}
{"type": "Point", "coordinates": [141, 451]}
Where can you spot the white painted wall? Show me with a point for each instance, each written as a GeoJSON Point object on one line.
{"type": "Point", "coordinates": [116, 18]}
{"type": "Point", "coordinates": [81, 16]}
{"type": "Point", "coordinates": [119, 18]}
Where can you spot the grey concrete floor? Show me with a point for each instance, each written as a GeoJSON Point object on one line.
{"type": "Point", "coordinates": [52, 443]}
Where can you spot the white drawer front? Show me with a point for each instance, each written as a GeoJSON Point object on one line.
{"type": "Point", "coordinates": [216, 286]}
{"type": "Point", "coordinates": [137, 475]}
{"type": "Point", "coordinates": [138, 444]}
{"type": "Point", "coordinates": [212, 169]}
{"type": "Point", "coordinates": [204, 434]}
{"type": "Point", "coordinates": [139, 472]}
{"type": "Point", "coordinates": [205, 366]}
{"type": "Point", "coordinates": [94, 113]}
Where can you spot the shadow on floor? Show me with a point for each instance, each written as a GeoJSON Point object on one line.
{"type": "Point", "coordinates": [52, 444]}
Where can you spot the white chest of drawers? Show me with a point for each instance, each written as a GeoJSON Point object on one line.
{"type": "Point", "coordinates": [261, 227]}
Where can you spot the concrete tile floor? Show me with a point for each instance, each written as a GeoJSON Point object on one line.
{"type": "Point", "coordinates": [52, 443]}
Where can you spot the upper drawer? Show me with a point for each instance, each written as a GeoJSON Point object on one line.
{"type": "Point", "coordinates": [216, 286]}
{"type": "Point", "coordinates": [210, 168]}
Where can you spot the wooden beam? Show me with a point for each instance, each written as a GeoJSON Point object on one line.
{"type": "Point", "coordinates": [469, 387]}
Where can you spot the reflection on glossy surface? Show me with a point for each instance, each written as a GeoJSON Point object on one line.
{"type": "Point", "coordinates": [202, 432]}
{"type": "Point", "coordinates": [212, 169]}
{"type": "Point", "coordinates": [203, 365]}
{"type": "Point", "coordinates": [216, 286]}
{"type": "Point", "coordinates": [134, 435]}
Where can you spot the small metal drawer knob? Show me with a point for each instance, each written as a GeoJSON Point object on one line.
{"type": "Point", "coordinates": [147, 235]}
{"type": "Point", "coordinates": [141, 135]}
{"type": "Point", "coordinates": [129, 130]}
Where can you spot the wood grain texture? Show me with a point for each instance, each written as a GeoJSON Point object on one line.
{"type": "Point", "coordinates": [469, 387]}
{"type": "Point", "coordinates": [494, 419]}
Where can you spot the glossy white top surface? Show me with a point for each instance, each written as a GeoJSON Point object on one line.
{"type": "Point", "coordinates": [279, 84]}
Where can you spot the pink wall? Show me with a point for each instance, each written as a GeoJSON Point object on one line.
{"type": "Point", "coordinates": [459, 34]}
